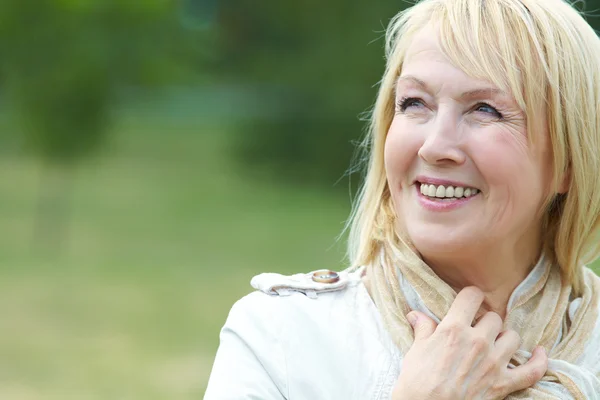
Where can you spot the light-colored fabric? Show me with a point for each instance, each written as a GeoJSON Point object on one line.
{"type": "Point", "coordinates": [283, 285]}
{"type": "Point", "coordinates": [541, 309]}
{"type": "Point", "coordinates": [286, 345]}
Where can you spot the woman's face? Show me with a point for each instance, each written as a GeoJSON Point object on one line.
{"type": "Point", "coordinates": [459, 167]}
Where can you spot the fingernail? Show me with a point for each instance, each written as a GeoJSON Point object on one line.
{"type": "Point", "coordinates": [412, 318]}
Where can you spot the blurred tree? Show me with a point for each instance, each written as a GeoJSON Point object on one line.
{"type": "Point", "coordinates": [62, 65]}
{"type": "Point", "coordinates": [591, 9]}
{"type": "Point", "coordinates": [315, 65]}
{"type": "Point", "coordinates": [199, 13]}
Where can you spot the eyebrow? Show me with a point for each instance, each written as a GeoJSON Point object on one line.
{"type": "Point", "coordinates": [465, 95]}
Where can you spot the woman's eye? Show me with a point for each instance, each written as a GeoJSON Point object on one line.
{"type": "Point", "coordinates": [486, 108]}
{"type": "Point", "coordinates": [408, 102]}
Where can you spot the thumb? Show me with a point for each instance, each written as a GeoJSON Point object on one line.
{"type": "Point", "coordinates": [423, 326]}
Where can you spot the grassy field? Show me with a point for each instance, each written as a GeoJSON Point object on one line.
{"type": "Point", "coordinates": [163, 235]}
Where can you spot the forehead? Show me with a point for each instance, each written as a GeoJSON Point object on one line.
{"type": "Point", "coordinates": [425, 44]}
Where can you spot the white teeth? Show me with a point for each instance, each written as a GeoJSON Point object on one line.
{"type": "Point", "coordinates": [447, 192]}
{"type": "Point", "coordinates": [431, 191]}
{"type": "Point", "coordinates": [440, 192]}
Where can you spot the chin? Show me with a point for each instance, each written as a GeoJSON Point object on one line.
{"type": "Point", "coordinates": [442, 241]}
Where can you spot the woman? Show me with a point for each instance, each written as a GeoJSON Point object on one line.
{"type": "Point", "coordinates": [468, 243]}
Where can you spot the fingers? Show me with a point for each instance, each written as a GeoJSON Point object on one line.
{"type": "Point", "coordinates": [423, 326]}
{"type": "Point", "coordinates": [489, 326]}
{"type": "Point", "coordinates": [465, 306]}
{"type": "Point", "coordinates": [507, 344]}
{"type": "Point", "coordinates": [530, 373]}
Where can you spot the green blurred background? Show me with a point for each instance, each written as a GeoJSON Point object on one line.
{"type": "Point", "coordinates": [154, 156]}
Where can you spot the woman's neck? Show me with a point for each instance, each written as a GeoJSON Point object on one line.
{"type": "Point", "coordinates": [494, 273]}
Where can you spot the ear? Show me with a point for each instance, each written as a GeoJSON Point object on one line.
{"type": "Point", "coordinates": [564, 185]}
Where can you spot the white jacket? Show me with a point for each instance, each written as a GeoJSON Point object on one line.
{"type": "Point", "coordinates": [296, 339]}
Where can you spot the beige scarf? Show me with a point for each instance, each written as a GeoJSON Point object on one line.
{"type": "Point", "coordinates": [541, 309]}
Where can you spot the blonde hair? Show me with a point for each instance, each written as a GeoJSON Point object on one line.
{"type": "Point", "coordinates": [543, 53]}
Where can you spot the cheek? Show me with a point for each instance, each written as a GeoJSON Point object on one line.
{"type": "Point", "coordinates": [512, 172]}
{"type": "Point", "coordinates": [401, 149]}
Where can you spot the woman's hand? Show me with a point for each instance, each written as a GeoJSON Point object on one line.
{"type": "Point", "coordinates": [455, 360]}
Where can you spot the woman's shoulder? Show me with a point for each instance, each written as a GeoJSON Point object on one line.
{"type": "Point", "coordinates": [313, 294]}
{"type": "Point", "coordinates": [312, 327]}
{"type": "Point", "coordinates": [324, 324]}
{"type": "Point", "coordinates": [322, 302]}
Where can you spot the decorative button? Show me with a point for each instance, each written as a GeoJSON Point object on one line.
{"type": "Point", "coordinates": [325, 276]}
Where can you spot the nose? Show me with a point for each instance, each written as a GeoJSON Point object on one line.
{"type": "Point", "coordinates": [442, 144]}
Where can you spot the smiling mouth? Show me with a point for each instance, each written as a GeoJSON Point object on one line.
{"type": "Point", "coordinates": [441, 192]}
